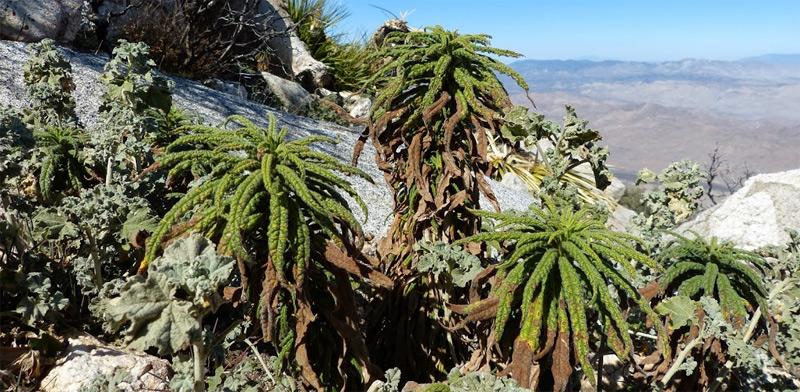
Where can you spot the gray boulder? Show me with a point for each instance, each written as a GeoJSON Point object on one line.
{"type": "Point", "coordinates": [755, 215]}
{"type": "Point", "coordinates": [27, 20]}
{"type": "Point", "coordinates": [214, 106]}
{"type": "Point", "coordinates": [292, 96]}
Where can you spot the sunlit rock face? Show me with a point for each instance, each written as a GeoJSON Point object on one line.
{"type": "Point", "coordinates": [757, 214]}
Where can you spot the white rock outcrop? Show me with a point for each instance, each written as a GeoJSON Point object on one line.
{"type": "Point", "coordinates": [87, 358]}
{"type": "Point", "coordinates": [755, 215]}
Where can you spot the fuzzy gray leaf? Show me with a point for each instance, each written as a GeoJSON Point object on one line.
{"type": "Point", "coordinates": [157, 318]}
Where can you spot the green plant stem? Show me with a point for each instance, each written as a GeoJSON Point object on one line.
{"type": "Point", "coordinates": [751, 328]}
{"type": "Point", "coordinates": [199, 366]}
{"type": "Point", "coordinates": [109, 171]}
{"type": "Point", "coordinates": [644, 335]}
{"type": "Point", "coordinates": [544, 157]}
{"type": "Point", "coordinates": [600, 362]}
{"type": "Point", "coordinates": [261, 361]}
{"type": "Point", "coordinates": [98, 267]}
{"type": "Point", "coordinates": [681, 357]}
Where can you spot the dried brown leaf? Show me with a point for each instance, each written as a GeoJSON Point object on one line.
{"type": "Point", "coordinates": [337, 257]}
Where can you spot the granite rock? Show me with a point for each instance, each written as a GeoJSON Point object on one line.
{"type": "Point", "coordinates": [755, 215]}
{"type": "Point", "coordinates": [87, 358]}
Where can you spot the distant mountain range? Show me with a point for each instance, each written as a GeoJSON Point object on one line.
{"type": "Point", "coordinates": [652, 114]}
{"type": "Point", "coordinates": [776, 58]}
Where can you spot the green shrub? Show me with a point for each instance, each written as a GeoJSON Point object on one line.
{"type": "Point", "coordinates": [279, 209]}
{"type": "Point", "coordinates": [49, 85]}
{"type": "Point", "coordinates": [554, 279]}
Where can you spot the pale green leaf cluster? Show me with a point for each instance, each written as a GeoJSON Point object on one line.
{"type": "Point", "coordinates": [784, 298]}
{"type": "Point", "coordinates": [665, 208]}
{"type": "Point", "coordinates": [49, 85]}
{"type": "Point", "coordinates": [155, 314]}
{"type": "Point", "coordinates": [481, 382]}
{"type": "Point", "coordinates": [551, 156]}
{"type": "Point", "coordinates": [95, 227]}
{"type": "Point", "coordinates": [136, 112]}
{"type": "Point", "coordinates": [682, 311]}
{"type": "Point", "coordinates": [449, 262]}
{"type": "Point", "coordinates": [132, 81]}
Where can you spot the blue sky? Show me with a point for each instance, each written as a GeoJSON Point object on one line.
{"type": "Point", "coordinates": [644, 30]}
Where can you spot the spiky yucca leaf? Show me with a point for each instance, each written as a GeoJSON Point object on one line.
{"type": "Point", "coordinates": [575, 256]}
{"type": "Point", "coordinates": [717, 269]}
{"type": "Point", "coordinates": [276, 206]}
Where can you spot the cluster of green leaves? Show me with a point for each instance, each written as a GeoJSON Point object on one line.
{"type": "Point", "coordinates": [14, 138]}
{"type": "Point", "coordinates": [714, 340]}
{"type": "Point", "coordinates": [558, 151]}
{"type": "Point", "coordinates": [97, 233]}
{"type": "Point", "coordinates": [49, 85]}
{"type": "Point", "coordinates": [269, 182]}
{"type": "Point", "coordinates": [166, 308]}
{"type": "Point", "coordinates": [716, 269]}
{"type": "Point", "coordinates": [62, 167]}
{"type": "Point", "coordinates": [438, 99]}
{"type": "Point", "coordinates": [158, 318]}
{"type": "Point", "coordinates": [474, 382]}
{"type": "Point", "coordinates": [278, 207]}
{"type": "Point", "coordinates": [453, 265]}
{"type": "Point", "coordinates": [675, 202]}
{"type": "Point", "coordinates": [132, 82]}
{"type": "Point", "coordinates": [554, 283]}
{"type": "Point", "coordinates": [136, 113]}
{"type": "Point", "coordinates": [51, 115]}
{"type": "Point", "coordinates": [785, 299]}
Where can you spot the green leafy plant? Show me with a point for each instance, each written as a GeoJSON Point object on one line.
{"type": "Point", "coordinates": [278, 207]}
{"type": "Point", "coordinates": [554, 284]}
{"type": "Point", "coordinates": [136, 114]}
{"type": "Point", "coordinates": [452, 265]}
{"type": "Point", "coordinates": [62, 163]}
{"type": "Point", "coordinates": [733, 308]}
{"type": "Point", "coordinates": [437, 102]}
{"type": "Point", "coordinates": [438, 98]}
{"type": "Point", "coordinates": [166, 309]}
{"type": "Point", "coordinates": [476, 382]}
{"type": "Point", "coordinates": [784, 301]}
{"type": "Point", "coordinates": [49, 85]}
{"type": "Point", "coordinates": [15, 140]}
{"type": "Point", "coordinates": [132, 81]}
{"type": "Point", "coordinates": [667, 207]}
{"type": "Point", "coordinates": [553, 168]}
{"type": "Point", "coordinates": [96, 234]}
{"type": "Point", "coordinates": [716, 269]}
{"type": "Point", "coordinates": [712, 344]}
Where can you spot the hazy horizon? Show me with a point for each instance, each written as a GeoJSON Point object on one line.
{"type": "Point", "coordinates": [622, 30]}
